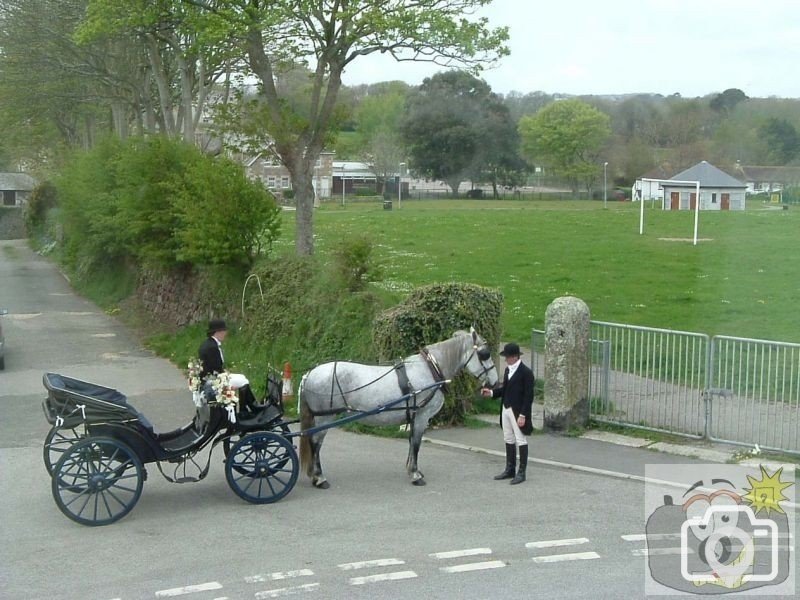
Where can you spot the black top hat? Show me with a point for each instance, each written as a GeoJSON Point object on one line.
{"type": "Point", "coordinates": [510, 349]}
{"type": "Point", "coordinates": [215, 325]}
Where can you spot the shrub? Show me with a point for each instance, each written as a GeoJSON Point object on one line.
{"type": "Point", "coordinates": [433, 313]}
{"type": "Point", "coordinates": [354, 263]}
{"type": "Point", "coordinates": [43, 199]}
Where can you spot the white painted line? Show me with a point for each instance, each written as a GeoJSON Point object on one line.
{"type": "Point", "coordinates": [460, 553]}
{"type": "Point", "coordinates": [480, 566]}
{"type": "Point", "coordinates": [641, 537]}
{"type": "Point", "coordinates": [396, 576]}
{"type": "Point", "coordinates": [277, 576]}
{"type": "Point", "coordinates": [287, 591]}
{"type": "Point", "coordinates": [658, 551]}
{"type": "Point", "coordinates": [556, 543]}
{"type": "Point", "coordinates": [189, 589]}
{"type": "Point", "coordinates": [565, 557]}
{"type": "Point", "coordinates": [577, 468]}
{"type": "Point", "coordinates": [366, 564]}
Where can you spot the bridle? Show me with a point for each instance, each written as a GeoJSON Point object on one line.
{"type": "Point", "coordinates": [483, 354]}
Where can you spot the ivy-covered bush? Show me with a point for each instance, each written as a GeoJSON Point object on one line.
{"type": "Point", "coordinates": [42, 200]}
{"type": "Point", "coordinates": [433, 313]}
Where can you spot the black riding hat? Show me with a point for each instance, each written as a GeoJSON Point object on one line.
{"type": "Point", "coordinates": [510, 349]}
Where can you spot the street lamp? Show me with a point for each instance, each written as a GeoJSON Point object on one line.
{"type": "Point", "coordinates": [400, 184]}
{"type": "Point", "coordinates": [605, 184]}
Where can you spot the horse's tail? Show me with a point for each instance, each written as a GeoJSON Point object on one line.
{"type": "Point", "coordinates": [306, 422]}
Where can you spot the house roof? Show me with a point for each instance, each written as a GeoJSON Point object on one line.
{"type": "Point", "coordinates": [660, 172]}
{"type": "Point", "coordinates": [17, 181]}
{"type": "Point", "coordinates": [708, 175]}
{"type": "Point", "coordinates": [352, 170]}
{"type": "Point", "coordinates": [769, 174]}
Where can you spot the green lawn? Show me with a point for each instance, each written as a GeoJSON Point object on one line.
{"type": "Point", "coordinates": [744, 282]}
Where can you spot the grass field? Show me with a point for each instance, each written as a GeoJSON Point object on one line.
{"type": "Point", "coordinates": [744, 281]}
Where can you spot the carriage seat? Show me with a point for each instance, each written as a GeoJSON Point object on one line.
{"type": "Point", "coordinates": [65, 393]}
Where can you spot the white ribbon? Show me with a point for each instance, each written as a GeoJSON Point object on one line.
{"type": "Point", "coordinates": [197, 398]}
{"type": "Point", "coordinates": [59, 421]}
{"type": "Point", "coordinates": [82, 409]}
{"type": "Point", "coordinates": [231, 412]}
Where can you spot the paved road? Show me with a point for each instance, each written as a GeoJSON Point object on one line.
{"type": "Point", "coordinates": [372, 535]}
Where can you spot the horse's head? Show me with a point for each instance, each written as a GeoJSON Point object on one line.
{"type": "Point", "coordinates": [480, 363]}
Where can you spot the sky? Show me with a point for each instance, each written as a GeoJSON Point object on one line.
{"type": "Point", "coordinates": [690, 47]}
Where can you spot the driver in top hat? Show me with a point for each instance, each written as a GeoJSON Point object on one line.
{"type": "Point", "coordinates": [516, 392]}
{"type": "Point", "coordinates": [213, 361]}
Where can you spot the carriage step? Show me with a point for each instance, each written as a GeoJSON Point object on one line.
{"type": "Point", "coordinates": [187, 479]}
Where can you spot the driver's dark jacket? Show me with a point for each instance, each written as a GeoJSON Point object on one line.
{"type": "Point", "coordinates": [211, 357]}
{"type": "Point", "coordinates": [517, 394]}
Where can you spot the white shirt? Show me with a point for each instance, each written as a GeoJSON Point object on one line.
{"type": "Point", "coordinates": [513, 369]}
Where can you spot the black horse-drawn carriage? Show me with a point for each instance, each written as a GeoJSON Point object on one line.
{"type": "Point", "coordinates": [98, 445]}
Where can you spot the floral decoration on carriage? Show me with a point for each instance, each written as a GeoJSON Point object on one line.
{"type": "Point", "coordinates": [216, 389]}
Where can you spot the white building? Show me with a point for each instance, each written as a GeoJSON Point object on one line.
{"type": "Point", "coordinates": [718, 190]}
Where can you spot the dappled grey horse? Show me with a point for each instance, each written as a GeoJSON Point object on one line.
{"type": "Point", "coordinates": [337, 388]}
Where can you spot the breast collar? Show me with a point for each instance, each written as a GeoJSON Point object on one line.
{"type": "Point", "coordinates": [433, 365]}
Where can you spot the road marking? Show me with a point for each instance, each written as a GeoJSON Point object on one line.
{"type": "Point", "coordinates": [555, 543]}
{"type": "Point", "coordinates": [279, 575]}
{"type": "Point", "coordinates": [104, 335]}
{"type": "Point", "coordinates": [479, 566]}
{"type": "Point", "coordinates": [565, 557]}
{"type": "Point", "coordinates": [365, 564]}
{"type": "Point", "coordinates": [460, 553]}
{"type": "Point", "coordinates": [287, 591]}
{"type": "Point", "coordinates": [641, 537]}
{"type": "Point", "coordinates": [659, 551]}
{"type": "Point", "coordinates": [396, 576]}
{"type": "Point", "coordinates": [189, 589]}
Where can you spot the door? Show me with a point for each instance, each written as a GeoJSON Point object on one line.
{"type": "Point", "coordinates": [693, 201]}
{"type": "Point", "coordinates": [725, 202]}
{"type": "Point", "coordinates": [674, 200]}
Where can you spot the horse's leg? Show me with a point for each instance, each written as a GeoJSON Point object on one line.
{"type": "Point", "coordinates": [317, 478]}
{"type": "Point", "coordinates": [418, 426]}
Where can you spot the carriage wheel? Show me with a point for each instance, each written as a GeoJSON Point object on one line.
{"type": "Point", "coordinates": [57, 442]}
{"type": "Point", "coordinates": [97, 481]}
{"type": "Point", "coordinates": [262, 467]}
{"type": "Point", "coordinates": [229, 442]}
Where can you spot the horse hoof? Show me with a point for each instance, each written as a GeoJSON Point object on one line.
{"type": "Point", "coordinates": [419, 482]}
{"type": "Point", "coordinates": [322, 485]}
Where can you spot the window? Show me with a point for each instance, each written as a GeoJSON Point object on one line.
{"type": "Point", "coordinates": [271, 181]}
{"type": "Point", "coordinates": [285, 182]}
{"type": "Point", "coordinates": [713, 198]}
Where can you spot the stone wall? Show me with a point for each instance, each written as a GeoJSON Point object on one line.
{"type": "Point", "coordinates": [178, 299]}
{"type": "Point", "coordinates": [12, 223]}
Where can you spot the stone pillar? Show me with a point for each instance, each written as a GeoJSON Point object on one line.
{"type": "Point", "coordinates": [566, 366]}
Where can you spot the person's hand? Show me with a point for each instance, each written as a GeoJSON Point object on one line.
{"type": "Point", "coordinates": [486, 392]}
{"type": "Point", "coordinates": [521, 420]}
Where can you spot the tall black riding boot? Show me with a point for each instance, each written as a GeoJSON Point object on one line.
{"type": "Point", "coordinates": [523, 464]}
{"type": "Point", "coordinates": [511, 462]}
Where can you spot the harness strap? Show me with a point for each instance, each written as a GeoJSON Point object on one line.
{"type": "Point", "coordinates": [405, 388]}
{"type": "Point", "coordinates": [433, 365]}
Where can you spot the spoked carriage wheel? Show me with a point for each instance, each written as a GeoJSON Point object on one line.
{"type": "Point", "coordinates": [229, 442]}
{"type": "Point", "coordinates": [262, 467]}
{"type": "Point", "coordinates": [97, 481]}
{"type": "Point", "coordinates": [57, 442]}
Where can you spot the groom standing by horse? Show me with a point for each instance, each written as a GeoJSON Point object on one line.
{"type": "Point", "coordinates": [517, 394]}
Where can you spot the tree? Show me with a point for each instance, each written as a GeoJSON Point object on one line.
{"type": "Point", "coordinates": [568, 137]}
{"type": "Point", "coordinates": [456, 128]}
{"type": "Point", "coordinates": [331, 35]}
{"type": "Point", "coordinates": [727, 100]}
{"type": "Point", "coordinates": [782, 140]}
{"type": "Point", "coordinates": [378, 119]}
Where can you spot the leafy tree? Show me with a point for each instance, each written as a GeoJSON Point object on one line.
{"type": "Point", "coordinates": [727, 100]}
{"type": "Point", "coordinates": [378, 119]}
{"type": "Point", "coordinates": [567, 136]}
{"type": "Point", "coordinates": [331, 36]}
{"type": "Point", "coordinates": [456, 128]}
{"type": "Point", "coordinates": [782, 140]}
